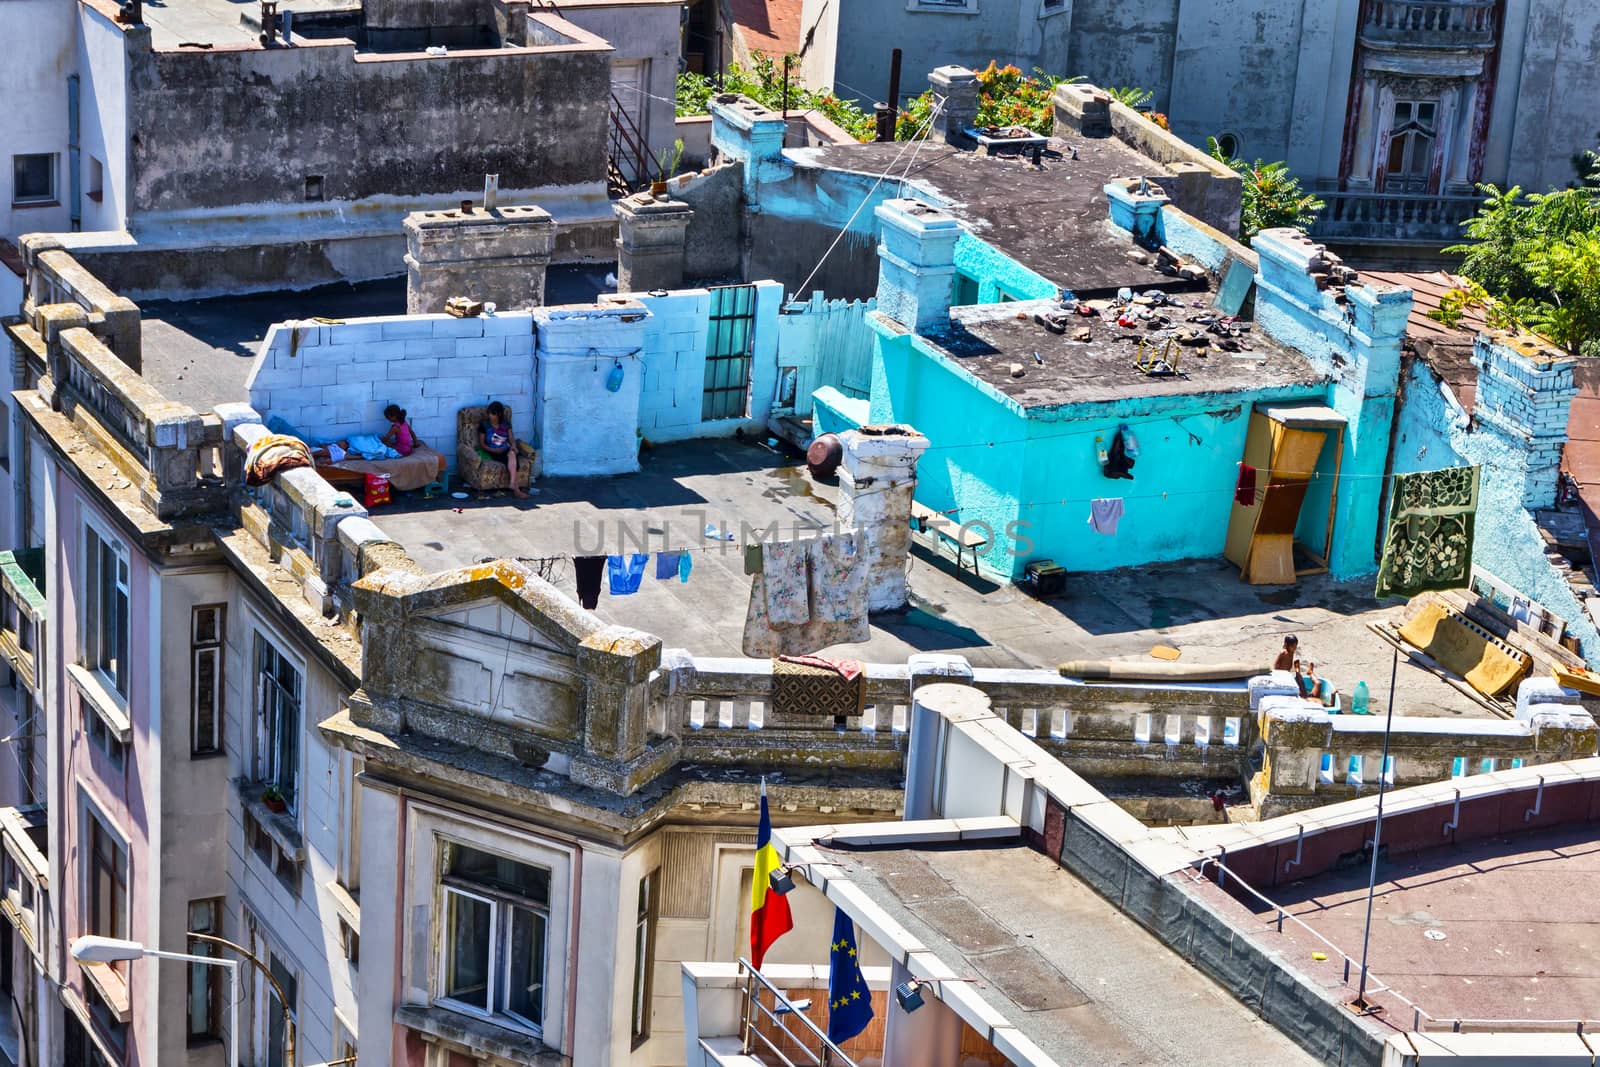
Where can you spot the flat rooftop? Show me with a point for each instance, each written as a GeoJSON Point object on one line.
{"type": "Point", "coordinates": [1497, 929]}
{"type": "Point", "coordinates": [1053, 218]}
{"type": "Point", "coordinates": [989, 340]}
{"type": "Point", "coordinates": [198, 352]}
{"type": "Point", "coordinates": [1199, 606]}
{"type": "Point", "coordinates": [1061, 963]}
{"type": "Point", "coordinates": [175, 23]}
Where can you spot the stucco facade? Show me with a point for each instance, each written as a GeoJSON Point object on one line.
{"type": "Point", "coordinates": [1394, 109]}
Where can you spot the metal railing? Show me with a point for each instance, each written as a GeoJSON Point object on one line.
{"type": "Point", "coordinates": [752, 1011]}
{"type": "Point", "coordinates": [1394, 217]}
{"type": "Point", "coordinates": [628, 150]}
{"type": "Point", "coordinates": [1421, 1019]}
{"type": "Point", "coordinates": [1415, 19]}
{"type": "Point", "coordinates": [1374, 983]}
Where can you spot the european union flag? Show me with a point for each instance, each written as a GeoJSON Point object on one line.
{"type": "Point", "coordinates": [849, 1001]}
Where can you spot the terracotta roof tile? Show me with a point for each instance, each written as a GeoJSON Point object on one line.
{"type": "Point", "coordinates": [771, 27]}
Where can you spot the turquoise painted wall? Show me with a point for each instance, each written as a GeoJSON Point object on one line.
{"type": "Point", "coordinates": [996, 273]}
{"type": "Point", "coordinates": [1433, 432]}
{"type": "Point", "coordinates": [1000, 466]}
{"type": "Point", "coordinates": [977, 438]}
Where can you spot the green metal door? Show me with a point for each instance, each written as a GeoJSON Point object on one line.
{"type": "Point", "coordinates": [728, 341]}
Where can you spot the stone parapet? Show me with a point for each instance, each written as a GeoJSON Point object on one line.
{"type": "Point", "coordinates": [959, 88]}
{"type": "Point", "coordinates": [916, 263]}
{"type": "Point", "coordinates": [496, 255]}
{"type": "Point", "coordinates": [652, 235]}
{"type": "Point", "coordinates": [877, 479]}
{"type": "Point", "coordinates": [1313, 757]}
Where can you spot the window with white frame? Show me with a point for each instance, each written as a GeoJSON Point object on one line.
{"type": "Point", "coordinates": [496, 918]}
{"type": "Point", "coordinates": [279, 687]}
{"type": "Point", "coordinates": [105, 613]}
{"type": "Point", "coordinates": [944, 5]}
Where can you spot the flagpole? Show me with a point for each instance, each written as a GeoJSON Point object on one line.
{"type": "Point", "coordinates": [1360, 1003]}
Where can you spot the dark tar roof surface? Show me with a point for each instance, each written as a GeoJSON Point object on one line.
{"type": "Point", "coordinates": [1054, 218]}
{"type": "Point", "coordinates": [988, 339]}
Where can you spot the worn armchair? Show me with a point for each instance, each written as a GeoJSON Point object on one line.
{"type": "Point", "coordinates": [481, 473]}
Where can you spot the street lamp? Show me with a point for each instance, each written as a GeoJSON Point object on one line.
{"type": "Point", "coordinates": [94, 949]}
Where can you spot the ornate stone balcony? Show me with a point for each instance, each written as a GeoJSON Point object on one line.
{"type": "Point", "coordinates": [1394, 218]}
{"type": "Point", "coordinates": [1448, 24]}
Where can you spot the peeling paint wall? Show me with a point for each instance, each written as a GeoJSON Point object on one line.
{"type": "Point", "coordinates": [1434, 431]}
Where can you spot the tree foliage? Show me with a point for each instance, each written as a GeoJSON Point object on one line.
{"type": "Point", "coordinates": [1538, 258]}
{"type": "Point", "coordinates": [1271, 196]}
{"type": "Point", "coordinates": [1006, 97]}
{"type": "Point", "coordinates": [762, 82]}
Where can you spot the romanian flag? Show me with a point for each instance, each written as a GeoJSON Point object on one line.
{"type": "Point", "coordinates": [769, 911]}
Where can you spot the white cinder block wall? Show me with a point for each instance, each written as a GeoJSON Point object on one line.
{"type": "Point", "coordinates": [675, 339]}
{"type": "Point", "coordinates": [335, 380]}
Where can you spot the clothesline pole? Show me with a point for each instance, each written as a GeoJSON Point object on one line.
{"type": "Point", "coordinates": [1360, 1003]}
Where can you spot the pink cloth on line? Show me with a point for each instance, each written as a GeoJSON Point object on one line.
{"type": "Point", "coordinates": [848, 669]}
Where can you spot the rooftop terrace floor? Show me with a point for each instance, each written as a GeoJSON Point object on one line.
{"type": "Point", "coordinates": [1059, 962]}
{"type": "Point", "coordinates": [178, 22]}
{"type": "Point", "coordinates": [1497, 929]}
{"type": "Point", "coordinates": [1199, 606]}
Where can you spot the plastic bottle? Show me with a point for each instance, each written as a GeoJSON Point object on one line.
{"type": "Point", "coordinates": [1358, 700]}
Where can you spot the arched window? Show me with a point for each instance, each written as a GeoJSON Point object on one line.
{"type": "Point", "coordinates": [1411, 140]}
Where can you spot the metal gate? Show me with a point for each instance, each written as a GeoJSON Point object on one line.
{"type": "Point", "coordinates": [728, 341]}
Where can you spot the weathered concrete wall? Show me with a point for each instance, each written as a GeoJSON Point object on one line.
{"type": "Point", "coordinates": [1434, 431]}
{"type": "Point", "coordinates": [1019, 32]}
{"type": "Point", "coordinates": [1560, 82]}
{"type": "Point", "coordinates": [715, 240]}
{"type": "Point", "coordinates": [259, 123]}
{"type": "Point", "coordinates": [39, 42]}
{"type": "Point", "coordinates": [1117, 44]}
{"type": "Point", "coordinates": [643, 35]}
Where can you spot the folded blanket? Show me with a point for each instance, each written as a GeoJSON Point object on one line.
{"type": "Point", "coordinates": [806, 689]}
{"type": "Point", "coordinates": [272, 455]}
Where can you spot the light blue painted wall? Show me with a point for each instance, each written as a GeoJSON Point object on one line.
{"type": "Point", "coordinates": [674, 362]}
{"type": "Point", "coordinates": [999, 465]}
{"type": "Point", "coordinates": [996, 273]}
{"type": "Point", "coordinates": [1433, 432]}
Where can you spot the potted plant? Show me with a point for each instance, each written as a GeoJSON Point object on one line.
{"type": "Point", "coordinates": [667, 159]}
{"type": "Point", "coordinates": [273, 799]}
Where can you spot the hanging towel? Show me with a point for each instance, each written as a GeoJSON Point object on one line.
{"type": "Point", "coordinates": [1104, 515]}
{"type": "Point", "coordinates": [1245, 492]}
{"type": "Point", "coordinates": [685, 562]}
{"type": "Point", "coordinates": [668, 565]}
{"type": "Point", "coordinates": [786, 565]}
{"type": "Point", "coordinates": [838, 578]}
{"type": "Point", "coordinates": [588, 570]}
{"type": "Point", "coordinates": [752, 558]}
{"type": "Point", "coordinates": [624, 575]}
